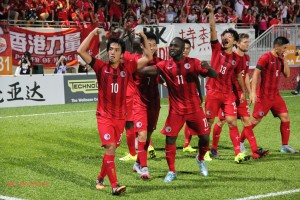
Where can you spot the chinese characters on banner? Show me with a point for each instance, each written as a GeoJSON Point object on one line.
{"type": "Point", "coordinates": [198, 34]}
{"type": "Point", "coordinates": [31, 90]}
{"type": "Point", "coordinates": [46, 47]}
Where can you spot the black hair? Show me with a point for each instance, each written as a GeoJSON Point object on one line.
{"type": "Point", "coordinates": [243, 36]}
{"type": "Point", "coordinates": [118, 41]}
{"type": "Point", "coordinates": [187, 41]}
{"type": "Point", "coordinates": [150, 36]}
{"type": "Point", "coordinates": [233, 32]}
{"type": "Point", "coordinates": [280, 41]}
{"type": "Point", "coordinates": [27, 54]}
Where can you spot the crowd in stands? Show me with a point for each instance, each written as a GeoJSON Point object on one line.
{"type": "Point", "coordinates": [259, 14]}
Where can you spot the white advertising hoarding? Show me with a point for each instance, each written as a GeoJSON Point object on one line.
{"type": "Point", "coordinates": [32, 90]}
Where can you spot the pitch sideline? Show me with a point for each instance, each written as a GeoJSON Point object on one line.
{"type": "Point", "coordinates": [9, 198]}
{"type": "Point", "coordinates": [270, 195]}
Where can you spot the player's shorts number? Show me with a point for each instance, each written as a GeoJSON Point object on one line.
{"type": "Point", "coordinates": [223, 69]}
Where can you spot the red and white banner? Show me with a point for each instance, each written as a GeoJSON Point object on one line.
{"type": "Point", "coordinates": [46, 46]}
{"type": "Point", "coordinates": [5, 52]}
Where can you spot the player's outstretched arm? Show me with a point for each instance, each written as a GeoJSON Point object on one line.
{"type": "Point", "coordinates": [212, 22]}
{"type": "Point", "coordinates": [211, 72]}
{"type": "Point", "coordinates": [82, 50]}
{"type": "Point", "coordinates": [147, 55]}
{"type": "Point", "coordinates": [255, 76]}
{"type": "Point", "coordinates": [149, 70]}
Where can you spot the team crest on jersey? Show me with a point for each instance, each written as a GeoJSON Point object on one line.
{"type": "Point", "coordinates": [139, 124]}
{"type": "Point", "coordinates": [187, 65]}
{"type": "Point", "coordinates": [261, 113]}
{"type": "Point", "coordinates": [247, 63]}
{"type": "Point", "coordinates": [106, 136]}
{"type": "Point", "coordinates": [122, 74]}
{"type": "Point", "coordinates": [208, 112]}
{"type": "Point", "coordinates": [168, 129]}
{"type": "Point", "coordinates": [233, 62]}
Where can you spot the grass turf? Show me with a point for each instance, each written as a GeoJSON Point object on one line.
{"type": "Point", "coordinates": [57, 155]}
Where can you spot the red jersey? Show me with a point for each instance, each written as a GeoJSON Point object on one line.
{"type": "Point", "coordinates": [112, 84]}
{"type": "Point", "coordinates": [220, 18]}
{"type": "Point", "coordinates": [270, 67]}
{"type": "Point", "coordinates": [180, 78]}
{"type": "Point", "coordinates": [245, 62]}
{"type": "Point", "coordinates": [147, 88]}
{"type": "Point", "coordinates": [128, 57]}
{"type": "Point", "coordinates": [226, 65]}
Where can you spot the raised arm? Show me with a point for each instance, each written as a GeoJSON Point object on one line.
{"type": "Point", "coordinates": [147, 54]}
{"type": "Point", "coordinates": [82, 50]}
{"type": "Point", "coordinates": [212, 23]}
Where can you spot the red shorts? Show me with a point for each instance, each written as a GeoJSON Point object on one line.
{"type": "Point", "coordinates": [129, 108]}
{"type": "Point", "coordinates": [115, 11]}
{"type": "Point", "coordinates": [110, 130]}
{"type": "Point", "coordinates": [196, 122]}
{"type": "Point", "coordinates": [145, 119]}
{"type": "Point", "coordinates": [243, 110]}
{"type": "Point", "coordinates": [262, 107]}
{"type": "Point", "coordinates": [216, 100]}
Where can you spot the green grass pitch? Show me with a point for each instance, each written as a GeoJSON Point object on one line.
{"type": "Point", "coordinates": [56, 154]}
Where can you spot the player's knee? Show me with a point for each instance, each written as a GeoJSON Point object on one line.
{"type": "Point", "coordinates": [170, 140]}
{"type": "Point", "coordinates": [110, 148]}
{"type": "Point", "coordinates": [204, 138]}
{"type": "Point", "coordinates": [142, 136]}
{"type": "Point", "coordinates": [285, 118]}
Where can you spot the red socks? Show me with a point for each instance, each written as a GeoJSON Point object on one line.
{"type": "Point", "coordinates": [216, 136]}
{"type": "Point", "coordinates": [248, 133]}
{"type": "Point", "coordinates": [170, 156]}
{"type": "Point", "coordinates": [285, 132]}
{"type": "Point", "coordinates": [187, 136]}
{"type": "Point", "coordinates": [142, 153]}
{"type": "Point", "coordinates": [130, 138]}
{"type": "Point", "coordinates": [110, 168]}
{"type": "Point", "coordinates": [235, 139]}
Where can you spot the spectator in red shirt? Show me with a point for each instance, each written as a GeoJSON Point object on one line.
{"type": "Point", "coordinates": [115, 11]}
{"type": "Point", "coordinates": [274, 20]}
{"type": "Point", "coordinates": [220, 16]}
{"type": "Point", "coordinates": [77, 17]}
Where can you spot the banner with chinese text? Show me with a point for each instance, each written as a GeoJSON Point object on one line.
{"type": "Point", "coordinates": [198, 34]}
{"type": "Point", "coordinates": [46, 45]}
{"type": "Point", "coordinates": [31, 90]}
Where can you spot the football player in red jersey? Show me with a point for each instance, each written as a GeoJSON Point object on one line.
{"type": "Point", "coordinates": [180, 73]}
{"type": "Point", "coordinates": [112, 80]}
{"type": "Point", "coordinates": [243, 112]}
{"type": "Point", "coordinates": [220, 90]}
{"type": "Point", "coordinates": [269, 67]}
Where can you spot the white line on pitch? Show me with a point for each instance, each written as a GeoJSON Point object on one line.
{"type": "Point", "coordinates": [43, 114]}
{"type": "Point", "coordinates": [9, 198]}
{"type": "Point", "coordinates": [270, 195]}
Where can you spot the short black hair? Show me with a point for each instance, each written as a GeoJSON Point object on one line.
{"type": "Point", "coordinates": [118, 41]}
{"type": "Point", "coordinates": [280, 41]}
{"type": "Point", "coordinates": [233, 32]}
{"type": "Point", "coordinates": [150, 36]}
{"type": "Point", "coordinates": [187, 41]}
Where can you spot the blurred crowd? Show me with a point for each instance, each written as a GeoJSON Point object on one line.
{"type": "Point", "coordinates": [259, 14]}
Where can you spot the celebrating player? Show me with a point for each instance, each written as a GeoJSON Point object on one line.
{"type": "Point", "coordinates": [112, 80]}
